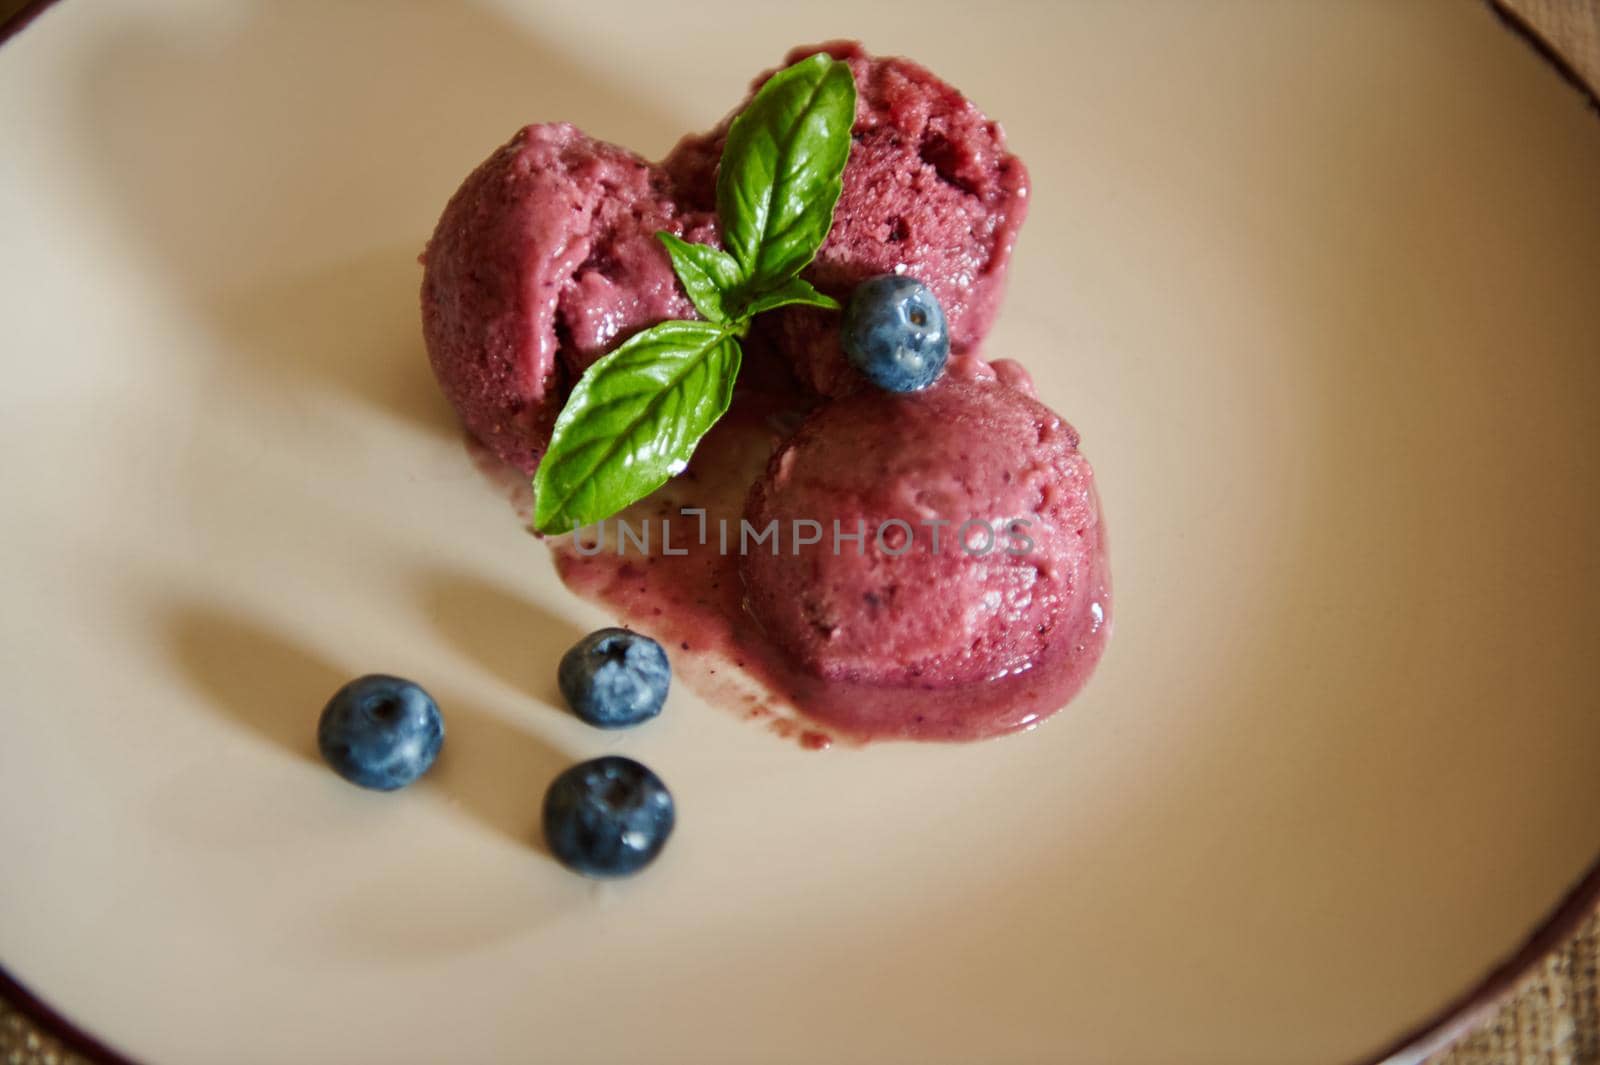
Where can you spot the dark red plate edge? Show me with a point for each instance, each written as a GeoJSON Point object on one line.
{"type": "Point", "coordinates": [1425, 1039]}
{"type": "Point", "coordinates": [19, 21]}
{"type": "Point", "coordinates": [1536, 40]}
{"type": "Point", "coordinates": [53, 1024]}
{"type": "Point", "coordinates": [1466, 1010]}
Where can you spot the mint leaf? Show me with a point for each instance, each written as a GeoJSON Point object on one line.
{"type": "Point", "coordinates": [779, 178]}
{"type": "Point", "coordinates": [633, 421]}
{"type": "Point", "coordinates": [705, 272]}
{"type": "Point", "coordinates": [795, 290]}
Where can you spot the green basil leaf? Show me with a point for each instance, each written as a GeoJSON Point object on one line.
{"type": "Point", "coordinates": [634, 418]}
{"type": "Point", "coordinates": [795, 290]}
{"type": "Point", "coordinates": [705, 273]}
{"type": "Point", "coordinates": [779, 178]}
{"type": "Point", "coordinates": [633, 421]}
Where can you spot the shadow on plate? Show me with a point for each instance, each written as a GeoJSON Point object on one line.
{"type": "Point", "coordinates": [287, 202]}
{"type": "Point", "coordinates": [255, 676]}
{"type": "Point", "coordinates": [513, 637]}
{"type": "Point", "coordinates": [489, 767]}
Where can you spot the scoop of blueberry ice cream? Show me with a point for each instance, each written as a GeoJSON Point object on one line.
{"type": "Point", "coordinates": [953, 534]}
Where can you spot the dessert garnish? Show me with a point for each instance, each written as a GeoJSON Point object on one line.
{"type": "Point", "coordinates": [607, 817]}
{"type": "Point", "coordinates": [615, 678]}
{"type": "Point", "coordinates": [894, 333]}
{"type": "Point", "coordinates": [633, 419]}
{"type": "Point", "coordinates": [380, 732]}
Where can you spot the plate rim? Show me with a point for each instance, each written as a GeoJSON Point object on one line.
{"type": "Point", "coordinates": [1546, 49]}
{"type": "Point", "coordinates": [1434, 1033]}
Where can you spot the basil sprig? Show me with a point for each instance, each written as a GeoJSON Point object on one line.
{"type": "Point", "coordinates": [780, 171]}
{"type": "Point", "coordinates": [635, 416]}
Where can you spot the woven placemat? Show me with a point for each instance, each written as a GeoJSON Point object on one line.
{"type": "Point", "coordinates": [23, 1043]}
{"type": "Point", "coordinates": [1553, 1018]}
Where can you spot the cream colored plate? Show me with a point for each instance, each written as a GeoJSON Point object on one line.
{"type": "Point", "coordinates": [1320, 286]}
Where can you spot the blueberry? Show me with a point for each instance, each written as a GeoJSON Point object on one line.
{"type": "Point", "coordinates": [615, 678]}
{"type": "Point", "coordinates": [607, 817]}
{"type": "Point", "coordinates": [894, 333]}
{"type": "Point", "coordinates": [380, 732]}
